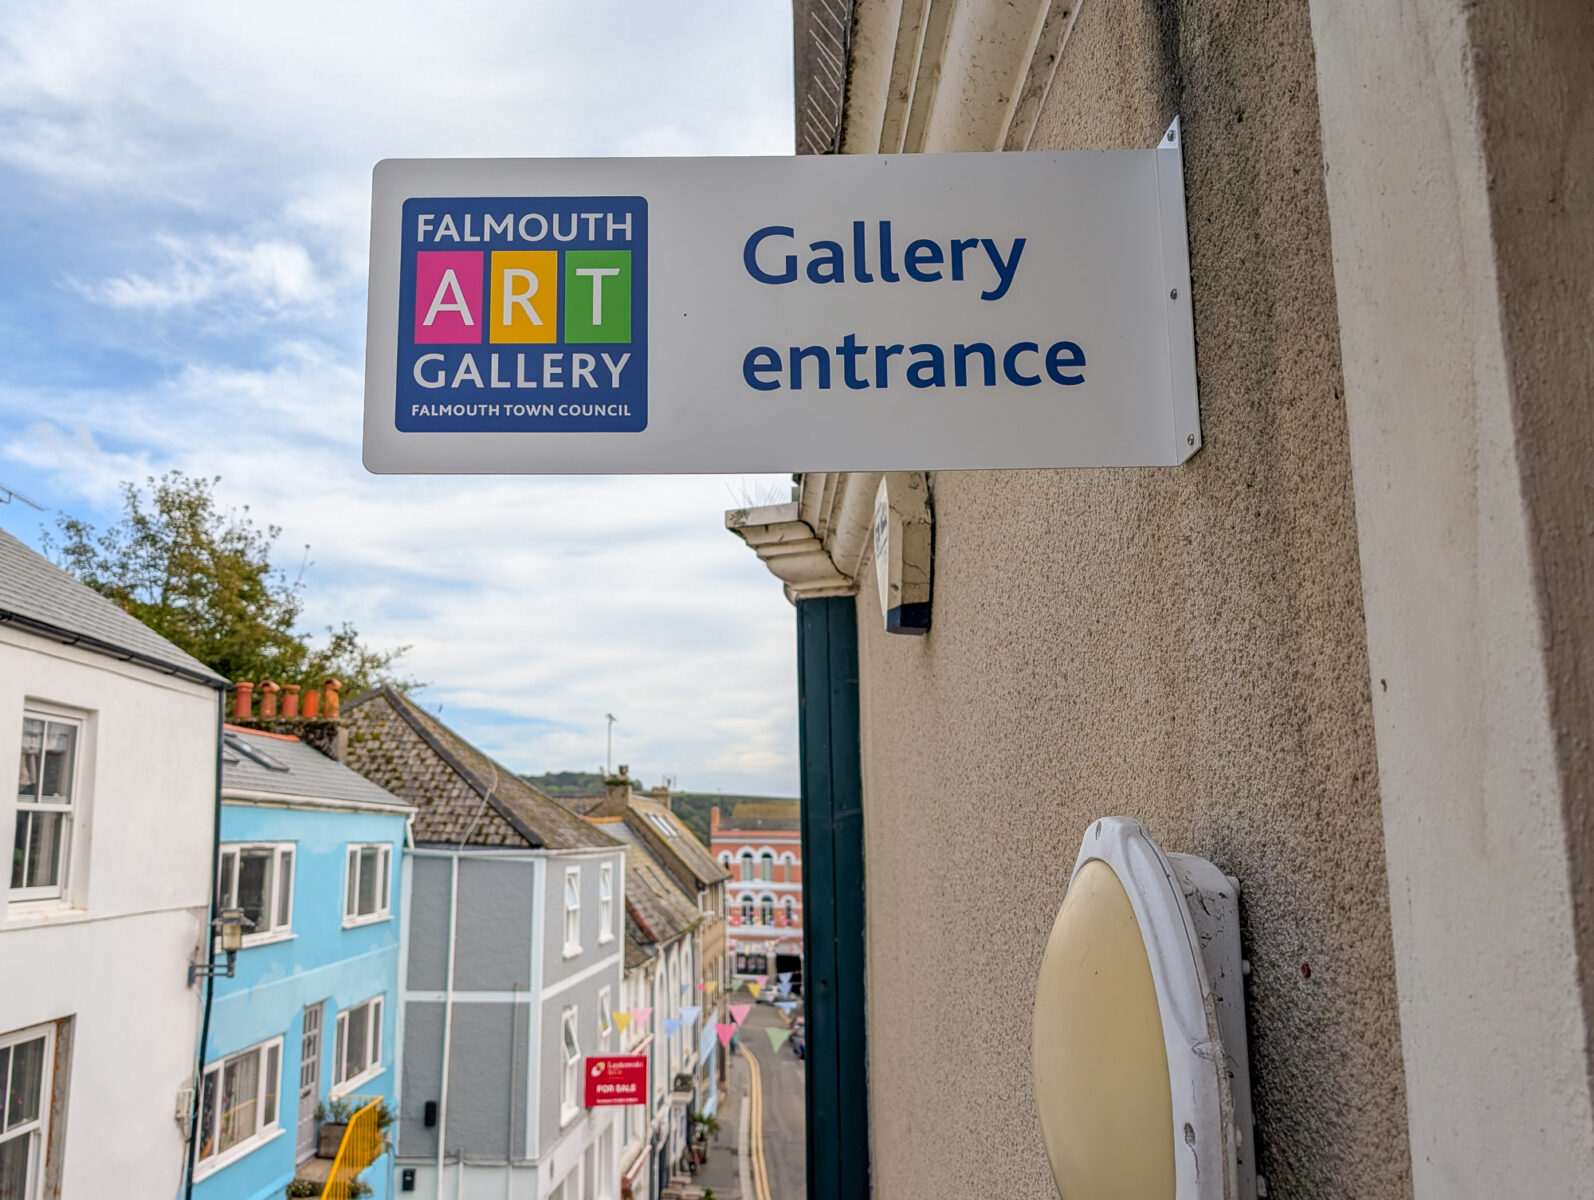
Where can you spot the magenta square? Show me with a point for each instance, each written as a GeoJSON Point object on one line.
{"type": "Point", "coordinates": [448, 288]}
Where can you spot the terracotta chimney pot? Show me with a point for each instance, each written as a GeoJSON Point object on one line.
{"type": "Point", "coordinates": [290, 700]}
{"type": "Point", "coordinates": [312, 704]}
{"type": "Point", "coordinates": [245, 695]}
{"type": "Point", "coordinates": [330, 708]}
{"type": "Point", "coordinates": [268, 700]}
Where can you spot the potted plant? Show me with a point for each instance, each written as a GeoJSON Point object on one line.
{"type": "Point", "coordinates": [332, 1116]}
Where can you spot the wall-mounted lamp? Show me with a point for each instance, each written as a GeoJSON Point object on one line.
{"type": "Point", "coordinates": [1140, 1060]}
{"type": "Point", "coordinates": [230, 923]}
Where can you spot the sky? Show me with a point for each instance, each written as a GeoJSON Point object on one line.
{"type": "Point", "coordinates": [184, 217]}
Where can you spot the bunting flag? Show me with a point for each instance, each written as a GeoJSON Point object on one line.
{"type": "Point", "coordinates": [685, 987]}
{"type": "Point", "coordinates": [777, 1037]}
{"type": "Point", "coordinates": [786, 1006]}
{"type": "Point", "coordinates": [784, 989]}
{"type": "Point", "coordinates": [785, 976]}
{"type": "Point", "coordinates": [755, 989]}
{"type": "Point", "coordinates": [739, 1013]}
{"type": "Point", "coordinates": [689, 1013]}
{"type": "Point", "coordinates": [641, 1015]}
{"type": "Point", "coordinates": [726, 1032]}
{"type": "Point", "coordinates": [671, 1024]}
{"type": "Point", "coordinates": [621, 1019]}
{"type": "Point", "coordinates": [700, 987]}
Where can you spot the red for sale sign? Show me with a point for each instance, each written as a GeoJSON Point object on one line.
{"type": "Point", "coordinates": [617, 1079]}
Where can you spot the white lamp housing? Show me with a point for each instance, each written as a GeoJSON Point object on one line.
{"type": "Point", "coordinates": [1148, 947]}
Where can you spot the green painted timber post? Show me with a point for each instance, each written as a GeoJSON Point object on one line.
{"type": "Point", "coordinates": [833, 899]}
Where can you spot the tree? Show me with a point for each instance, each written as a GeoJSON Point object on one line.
{"type": "Point", "coordinates": [203, 579]}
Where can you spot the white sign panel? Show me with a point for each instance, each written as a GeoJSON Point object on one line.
{"type": "Point", "coordinates": [830, 313]}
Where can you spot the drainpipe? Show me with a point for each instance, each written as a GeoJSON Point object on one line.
{"type": "Point", "coordinates": [192, 1147]}
{"type": "Point", "coordinates": [448, 1025]}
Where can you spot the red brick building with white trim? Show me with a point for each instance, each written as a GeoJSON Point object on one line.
{"type": "Point", "coordinates": [760, 844]}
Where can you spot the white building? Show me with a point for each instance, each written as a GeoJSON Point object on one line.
{"type": "Point", "coordinates": [111, 733]}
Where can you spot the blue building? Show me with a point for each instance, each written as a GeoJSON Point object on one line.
{"type": "Point", "coordinates": [310, 851]}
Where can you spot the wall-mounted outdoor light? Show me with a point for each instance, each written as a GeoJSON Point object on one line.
{"type": "Point", "coordinates": [230, 923]}
{"type": "Point", "coordinates": [1141, 1075]}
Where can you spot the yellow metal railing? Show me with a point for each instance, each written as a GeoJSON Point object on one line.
{"type": "Point", "coordinates": [362, 1145]}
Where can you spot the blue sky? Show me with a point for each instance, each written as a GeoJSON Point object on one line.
{"type": "Point", "coordinates": [184, 207]}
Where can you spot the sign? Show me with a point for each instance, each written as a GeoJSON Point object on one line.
{"type": "Point", "coordinates": [847, 312]}
{"type": "Point", "coordinates": [616, 1079]}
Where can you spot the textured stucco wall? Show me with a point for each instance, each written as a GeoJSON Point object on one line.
{"type": "Point", "coordinates": [1185, 646]}
{"type": "Point", "coordinates": [1459, 139]}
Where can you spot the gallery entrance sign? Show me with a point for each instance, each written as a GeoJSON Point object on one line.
{"type": "Point", "coordinates": [904, 312]}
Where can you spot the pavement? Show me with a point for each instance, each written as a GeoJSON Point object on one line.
{"type": "Point", "coordinates": [764, 1140]}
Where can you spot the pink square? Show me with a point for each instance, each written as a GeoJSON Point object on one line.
{"type": "Point", "coordinates": [448, 296]}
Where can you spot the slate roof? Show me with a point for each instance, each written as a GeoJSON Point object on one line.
{"type": "Point", "coordinates": [667, 836]}
{"type": "Point", "coordinates": [38, 596]}
{"type": "Point", "coordinates": [287, 767]}
{"type": "Point", "coordinates": [638, 949]}
{"type": "Point", "coordinates": [461, 795]}
{"type": "Point", "coordinates": [660, 908]}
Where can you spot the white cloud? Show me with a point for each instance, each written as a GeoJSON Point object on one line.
{"type": "Point", "coordinates": [216, 159]}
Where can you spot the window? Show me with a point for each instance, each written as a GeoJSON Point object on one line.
{"type": "Point", "coordinates": [573, 911]}
{"type": "Point", "coordinates": [238, 1104]}
{"type": "Point", "coordinates": [767, 910]}
{"type": "Point", "coordinates": [605, 1022]}
{"type": "Point", "coordinates": [366, 887]}
{"type": "Point", "coordinates": [570, 1079]}
{"type": "Point", "coordinates": [25, 1061]}
{"type": "Point", "coordinates": [767, 865]}
{"type": "Point", "coordinates": [606, 903]}
{"type": "Point", "coordinates": [747, 866]}
{"type": "Point", "coordinates": [259, 880]}
{"type": "Point", "coordinates": [45, 786]}
{"type": "Point", "coordinates": [358, 1050]}
{"type": "Point", "coordinates": [747, 910]}
{"type": "Point", "coordinates": [788, 910]}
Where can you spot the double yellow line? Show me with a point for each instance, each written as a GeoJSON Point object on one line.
{"type": "Point", "coordinates": [755, 1100]}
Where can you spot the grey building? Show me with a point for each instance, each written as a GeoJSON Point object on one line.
{"type": "Point", "coordinates": [511, 969]}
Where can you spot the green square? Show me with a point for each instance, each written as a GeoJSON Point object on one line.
{"type": "Point", "coordinates": [597, 296]}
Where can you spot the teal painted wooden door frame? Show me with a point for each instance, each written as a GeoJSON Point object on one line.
{"type": "Point", "coordinates": [833, 899]}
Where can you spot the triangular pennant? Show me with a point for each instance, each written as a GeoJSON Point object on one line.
{"type": "Point", "coordinates": [786, 1006]}
{"type": "Point", "coordinates": [621, 1020]}
{"type": "Point", "coordinates": [726, 1032]}
{"type": "Point", "coordinates": [785, 976]}
{"type": "Point", "coordinates": [710, 986]}
{"type": "Point", "coordinates": [755, 989]}
{"type": "Point", "coordinates": [777, 1037]}
{"type": "Point", "coordinates": [700, 987]}
{"type": "Point", "coordinates": [739, 1012]}
{"type": "Point", "coordinates": [689, 1013]}
{"type": "Point", "coordinates": [641, 1015]}
{"type": "Point", "coordinates": [671, 1024]}
{"type": "Point", "coordinates": [784, 989]}
{"type": "Point", "coordinates": [685, 987]}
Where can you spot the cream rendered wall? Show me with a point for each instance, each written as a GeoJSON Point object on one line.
{"type": "Point", "coordinates": [1184, 646]}
{"type": "Point", "coordinates": [1459, 142]}
{"type": "Point", "coordinates": [115, 957]}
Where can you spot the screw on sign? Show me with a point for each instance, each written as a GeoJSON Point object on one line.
{"type": "Point", "coordinates": [616, 1079]}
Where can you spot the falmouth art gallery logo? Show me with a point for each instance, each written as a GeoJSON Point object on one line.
{"type": "Point", "coordinates": [523, 315]}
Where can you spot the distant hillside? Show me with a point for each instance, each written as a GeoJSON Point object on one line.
{"type": "Point", "coordinates": [691, 807]}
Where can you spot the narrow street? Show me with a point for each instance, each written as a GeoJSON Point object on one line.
{"type": "Point", "coordinates": [761, 1144]}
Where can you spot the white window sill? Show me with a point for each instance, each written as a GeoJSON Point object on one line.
{"type": "Point", "coordinates": [605, 938]}
{"type": "Point", "coordinates": [233, 1153]}
{"type": "Point", "coordinates": [267, 939]}
{"type": "Point", "coordinates": [567, 1115]}
{"type": "Point", "coordinates": [572, 951]}
{"type": "Point", "coordinates": [373, 919]}
{"type": "Point", "coordinates": [359, 1081]}
{"type": "Point", "coordinates": [41, 911]}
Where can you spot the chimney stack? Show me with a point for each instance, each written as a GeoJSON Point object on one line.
{"type": "Point", "coordinates": [268, 700]}
{"type": "Point", "coordinates": [617, 795]}
{"type": "Point", "coordinates": [330, 708]}
{"type": "Point", "coordinates": [290, 701]}
{"type": "Point", "coordinates": [243, 700]}
{"type": "Point", "coordinates": [312, 704]}
{"type": "Point", "coordinates": [661, 795]}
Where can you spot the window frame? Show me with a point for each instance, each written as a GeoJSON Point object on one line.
{"type": "Point", "coordinates": [375, 1012]}
{"type": "Point", "coordinates": [36, 1130]}
{"type": "Point", "coordinates": [605, 1021]}
{"type": "Point", "coordinates": [606, 902]}
{"type": "Point", "coordinates": [278, 930]}
{"type": "Point", "coordinates": [766, 867]}
{"type": "Point", "coordinates": [70, 812]}
{"type": "Point", "coordinates": [264, 1132]}
{"type": "Point", "coordinates": [352, 853]}
{"type": "Point", "coordinates": [572, 912]}
{"type": "Point", "coordinates": [569, 1066]}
